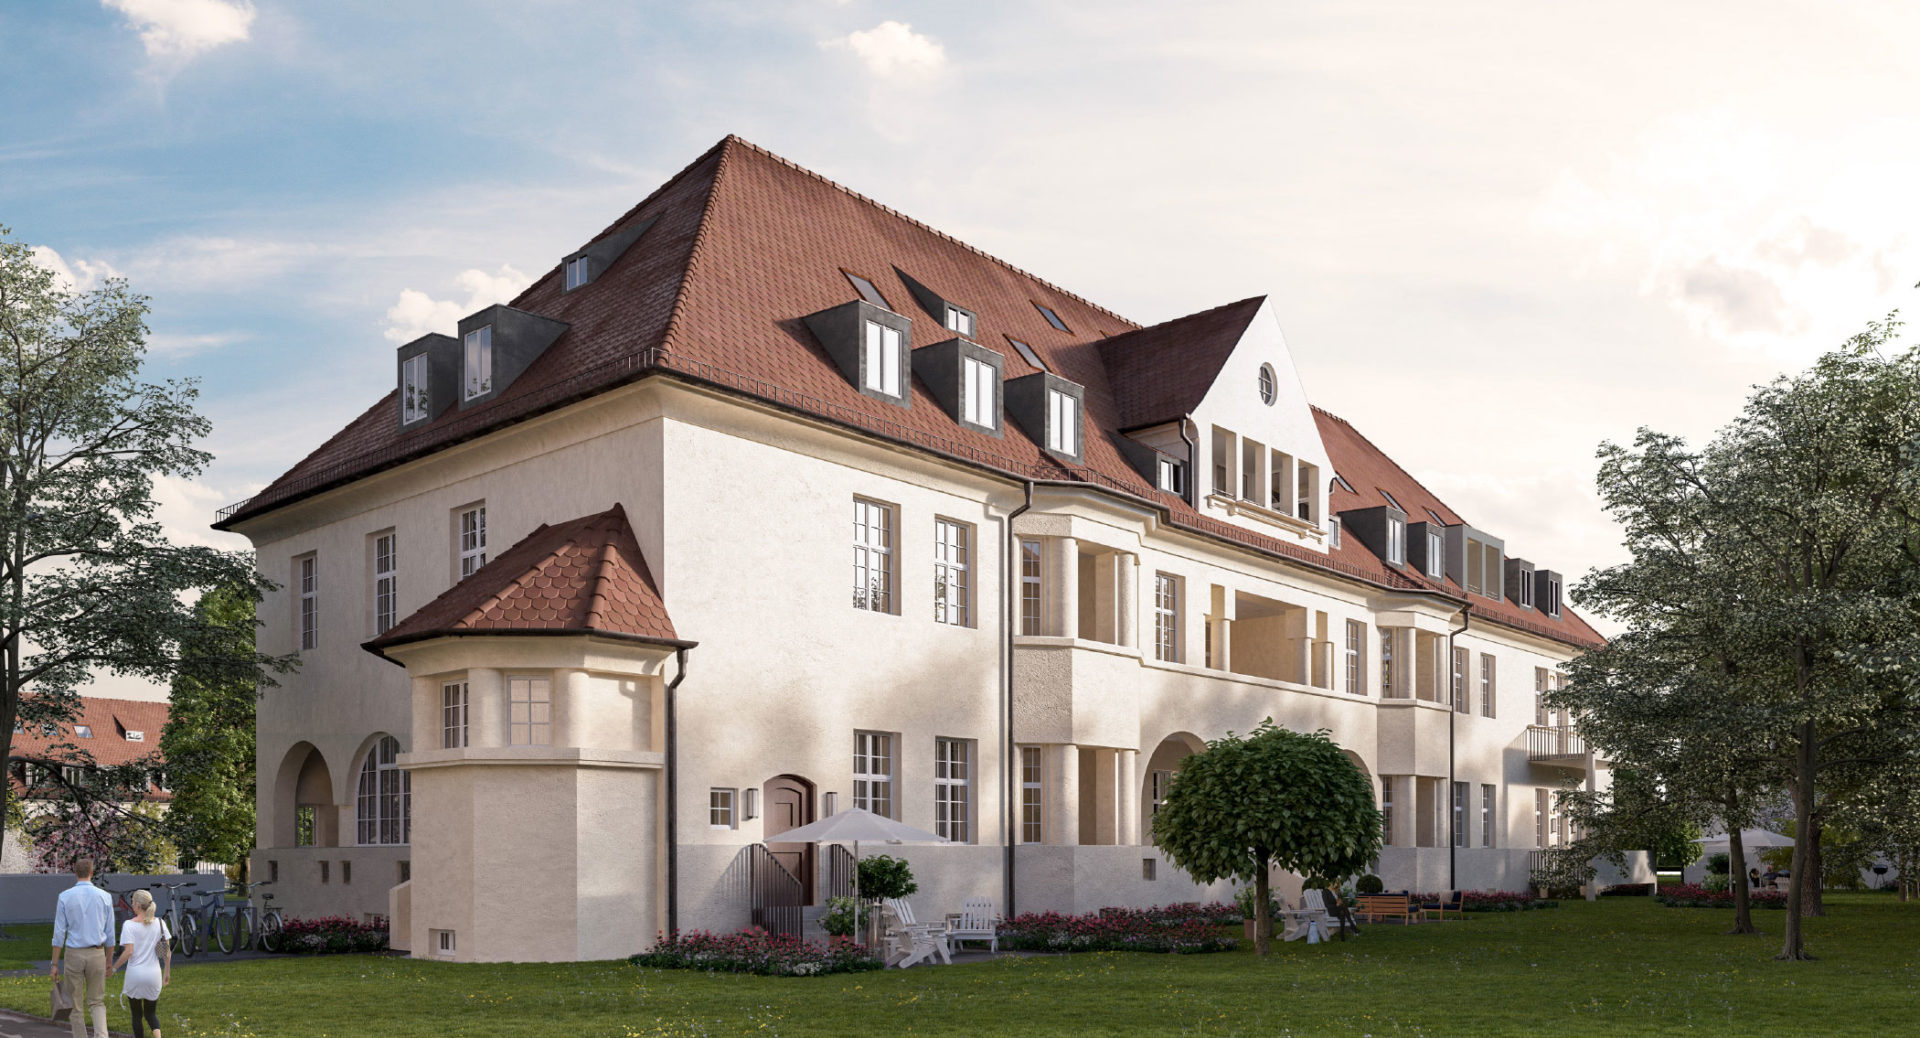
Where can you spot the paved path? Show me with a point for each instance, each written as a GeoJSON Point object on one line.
{"type": "Point", "coordinates": [20, 1025]}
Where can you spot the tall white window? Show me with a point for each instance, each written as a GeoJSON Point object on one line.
{"type": "Point", "coordinates": [385, 582]}
{"type": "Point", "coordinates": [720, 809]}
{"type": "Point", "coordinates": [977, 392]}
{"type": "Point", "coordinates": [872, 556]}
{"type": "Point", "coordinates": [1063, 430]}
{"type": "Point", "coordinates": [1356, 652]}
{"type": "Point", "coordinates": [1436, 558]}
{"type": "Point", "coordinates": [1029, 586]}
{"type": "Point", "coordinates": [959, 320]}
{"type": "Point", "coordinates": [1525, 586]}
{"type": "Point", "coordinates": [1553, 598]}
{"type": "Point", "coordinates": [1386, 810]}
{"type": "Point", "coordinates": [309, 602]}
{"type": "Point", "coordinates": [1540, 715]}
{"type": "Point", "coordinates": [950, 572]}
{"type": "Point", "coordinates": [1486, 815]}
{"type": "Point", "coordinates": [1540, 817]}
{"type": "Point", "coordinates": [882, 359]}
{"type": "Point", "coordinates": [873, 772]}
{"type": "Point", "coordinates": [1462, 703]}
{"type": "Point", "coordinates": [1486, 685]}
{"type": "Point", "coordinates": [529, 712]}
{"type": "Point", "coordinates": [1461, 834]}
{"type": "Point", "coordinates": [1031, 829]}
{"type": "Point", "coordinates": [473, 540]}
{"type": "Point", "coordinates": [1166, 618]}
{"type": "Point", "coordinates": [384, 797]}
{"type": "Point", "coordinates": [413, 388]}
{"type": "Point", "coordinates": [952, 777]}
{"type": "Point", "coordinates": [576, 272]}
{"type": "Point", "coordinates": [453, 715]}
{"type": "Point", "coordinates": [1159, 782]}
{"type": "Point", "coordinates": [479, 361]}
{"type": "Point", "coordinates": [1387, 687]}
{"type": "Point", "coordinates": [1333, 532]}
{"type": "Point", "coordinates": [1396, 541]}
{"type": "Point", "coordinates": [1172, 476]}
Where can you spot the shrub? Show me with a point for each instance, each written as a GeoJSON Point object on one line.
{"type": "Point", "coordinates": [754, 950]}
{"type": "Point", "coordinates": [1497, 901]}
{"type": "Point", "coordinates": [1719, 883]}
{"type": "Point", "coordinates": [332, 935]}
{"type": "Point", "coordinates": [841, 920]}
{"type": "Point", "coordinates": [1719, 863]}
{"type": "Point", "coordinates": [1172, 928]}
{"type": "Point", "coordinates": [1215, 914]}
{"type": "Point", "coordinates": [1627, 890]}
{"type": "Point", "coordinates": [883, 877]}
{"type": "Point", "coordinates": [1369, 884]}
{"type": "Point", "coordinates": [1243, 902]}
{"type": "Point", "coordinates": [1693, 895]}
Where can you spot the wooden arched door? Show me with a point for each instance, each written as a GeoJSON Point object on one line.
{"type": "Point", "coordinates": [789, 805]}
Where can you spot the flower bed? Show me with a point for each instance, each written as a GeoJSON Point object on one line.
{"type": "Point", "coordinates": [1692, 895]}
{"type": "Point", "coordinates": [1498, 901]}
{"type": "Point", "coordinates": [332, 935]}
{"type": "Point", "coordinates": [1182, 929]}
{"type": "Point", "coordinates": [1627, 890]}
{"type": "Point", "coordinates": [754, 950]}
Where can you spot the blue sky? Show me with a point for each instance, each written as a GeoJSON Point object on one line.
{"type": "Point", "coordinates": [1497, 233]}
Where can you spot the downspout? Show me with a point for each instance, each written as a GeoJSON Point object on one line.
{"type": "Point", "coordinates": [1453, 712]}
{"type": "Point", "coordinates": [1190, 493]}
{"type": "Point", "coordinates": [673, 799]}
{"type": "Point", "coordinates": [1009, 616]}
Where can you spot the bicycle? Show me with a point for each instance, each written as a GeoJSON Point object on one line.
{"type": "Point", "coordinates": [204, 919]}
{"type": "Point", "coordinates": [182, 926]}
{"type": "Point", "coordinates": [245, 926]}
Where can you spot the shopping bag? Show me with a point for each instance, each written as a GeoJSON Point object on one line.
{"type": "Point", "coordinates": [62, 1002]}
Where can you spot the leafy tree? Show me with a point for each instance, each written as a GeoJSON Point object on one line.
{"type": "Point", "coordinates": [208, 741]}
{"type": "Point", "coordinates": [118, 838]}
{"type": "Point", "coordinates": [1273, 799]}
{"type": "Point", "coordinates": [87, 579]}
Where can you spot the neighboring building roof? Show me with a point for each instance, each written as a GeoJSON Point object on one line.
{"type": "Point", "coordinates": [743, 245]}
{"type": "Point", "coordinates": [110, 721]}
{"type": "Point", "coordinates": [1160, 374]}
{"type": "Point", "coordinates": [583, 576]}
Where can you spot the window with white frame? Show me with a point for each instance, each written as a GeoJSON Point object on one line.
{"type": "Point", "coordinates": [873, 772]}
{"type": "Point", "coordinates": [1063, 427]}
{"type": "Point", "coordinates": [1031, 829]}
{"type": "Point", "coordinates": [1029, 586]}
{"type": "Point", "coordinates": [384, 797]}
{"type": "Point", "coordinates": [1540, 715]}
{"type": "Point", "coordinates": [1159, 782]}
{"type": "Point", "coordinates": [1486, 685]}
{"type": "Point", "coordinates": [1540, 817]}
{"type": "Point", "coordinates": [1166, 617]}
{"type": "Point", "coordinates": [1396, 540]}
{"type": "Point", "coordinates": [413, 389]}
{"type": "Point", "coordinates": [1457, 689]}
{"type": "Point", "coordinates": [1485, 572]}
{"type": "Point", "coordinates": [1552, 604]}
{"type": "Point", "coordinates": [720, 809]}
{"type": "Point", "coordinates": [576, 272]}
{"type": "Point", "coordinates": [950, 585]}
{"type": "Point", "coordinates": [1333, 531]}
{"type": "Point", "coordinates": [952, 786]}
{"type": "Point", "coordinates": [473, 540]}
{"type": "Point", "coordinates": [872, 556]}
{"type": "Point", "coordinates": [1462, 836]}
{"type": "Point", "coordinates": [1487, 794]}
{"type": "Point", "coordinates": [479, 343]}
{"type": "Point", "coordinates": [1172, 476]}
{"type": "Point", "coordinates": [977, 393]}
{"type": "Point", "coordinates": [959, 320]}
{"type": "Point", "coordinates": [1525, 587]}
{"type": "Point", "coordinates": [1386, 810]}
{"type": "Point", "coordinates": [1388, 689]}
{"type": "Point", "coordinates": [307, 581]}
{"type": "Point", "coordinates": [1356, 654]}
{"type": "Point", "coordinates": [529, 712]}
{"type": "Point", "coordinates": [385, 582]}
{"type": "Point", "coordinates": [453, 715]}
{"type": "Point", "coordinates": [1436, 554]}
{"type": "Point", "coordinates": [882, 366]}
{"type": "Point", "coordinates": [1269, 384]}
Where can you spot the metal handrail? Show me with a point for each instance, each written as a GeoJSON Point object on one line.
{"type": "Point", "coordinates": [771, 895]}
{"type": "Point", "coordinates": [1554, 741]}
{"type": "Point", "coordinates": [840, 866]}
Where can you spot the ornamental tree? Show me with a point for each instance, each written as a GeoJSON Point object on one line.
{"type": "Point", "coordinates": [208, 741]}
{"type": "Point", "coordinates": [1273, 799]}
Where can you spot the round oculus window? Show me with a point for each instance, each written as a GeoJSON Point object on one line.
{"type": "Point", "coordinates": [1269, 385]}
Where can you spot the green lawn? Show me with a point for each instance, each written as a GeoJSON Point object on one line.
{"type": "Point", "coordinates": [25, 944]}
{"type": "Point", "coordinates": [1617, 967]}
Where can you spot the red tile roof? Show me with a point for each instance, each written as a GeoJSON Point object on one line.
{"type": "Point", "coordinates": [583, 576]}
{"type": "Point", "coordinates": [745, 244]}
{"type": "Point", "coordinates": [109, 720]}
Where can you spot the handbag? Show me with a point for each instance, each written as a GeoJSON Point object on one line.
{"type": "Point", "coordinates": [62, 1002]}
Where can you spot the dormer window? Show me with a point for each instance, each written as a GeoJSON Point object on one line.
{"type": "Point", "coordinates": [960, 321]}
{"type": "Point", "coordinates": [1052, 318]}
{"type": "Point", "coordinates": [479, 377]}
{"type": "Point", "coordinates": [1333, 532]}
{"type": "Point", "coordinates": [1027, 354]}
{"type": "Point", "coordinates": [136, 735]}
{"type": "Point", "coordinates": [413, 389]}
{"type": "Point", "coordinates": [1553, 597]}
{"type": "Point", "coordinates": [576, 273]}
{"type": "Point", "coordinates": [867, 290]}
{"type": "Point", "coordinates": [1486, 572]}
{"type": "Point", "coordinates": [1343, 484]}
{"type": "Point", "coordinates": [882, 358]}
{"type": "Point", "coordinates": [1172, 476]}
{"type": "Point", "coordinates": [1390, 500]}
{"type": "Point", "coordinates": [1396, 539]}
{"type": "Point", "coordinates": [1436, 554]}
{"type": "Point", "coordinates": [83, 731]}
{"type": "Point", "coordinates": [869, 343]}
{"type": "Point", "coordinates": [978, 380]}
{"type": "Point", "coordinates": [1063, 423]}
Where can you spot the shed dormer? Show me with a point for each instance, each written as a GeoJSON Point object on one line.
{"type": "Point", "coordinates": [966, 378]}
{"type": "Point", "coordinates": [951, 315]}
{"type": "Point", "coordinates": [869, 345]}
{"type": "Point", "coordinates": [1052, 411]}
{"type": "Point", "coordinates": [1475, 561]}
{"type": "Point", "coordinates": [496, 345]}
{"type": "Point", "coordinates": [581, 268]}
{"type": "Point", "coordinates": [429, 378]}
{"type": "Point", "coordinates": [1383, 529]}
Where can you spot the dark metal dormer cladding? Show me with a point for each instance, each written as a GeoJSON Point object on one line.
{"type": "Point", "coordinates": [511, 339]}
{"type": "Point", "coordinates": [429, 378]}
{"type": "Point", "coordinates": [1422, 553]}
{"type": "Point", "coordinates": [1052, 411]}
{"type": "Point", "coordinates": [1475, 561]}
{"type": "Point", "coordinates": [1520, 583]}
{"type": "Point", "coordinates": [581, 268]}
{"type": "Point", "coordinates": [1165, 471]}
{"type": "Point", "coordinates": [966, 378]}
{"type": "Point", "coordinates": [869, 345]}
{"type": "Point", "coordinates": [951, 315]}
{"type": "Point", "coordinates": [1377, 528]}
{"type": "Point", "coordinates": [1548, 590]}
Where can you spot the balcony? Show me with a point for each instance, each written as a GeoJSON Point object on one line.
{"type": "Point", "coordinates": [1555, 744]}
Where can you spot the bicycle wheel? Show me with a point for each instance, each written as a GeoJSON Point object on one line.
{"type": "Point", "coordinates": [225, 931]}
{"type": "Point", "coordinates": [242, 931]}
{"type": "Point", "coordinates": [189, 936]}
{"type": "Point", "coordinates": [270, 931]}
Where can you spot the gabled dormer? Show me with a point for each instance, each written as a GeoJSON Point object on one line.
{"type": "Point", "coordinates": [869, 345]}
{"type": "Point", "coordinates": [496, 346]}
{"type": "Point", "coordinates": [951, 315]}
{"type": "Point", "coordinates": [1052, 411]}
{"type": "Point", "coordinates": [429, 378]}
{"type": "Point", "coordinates": [581, 268]}
{"type": "Point", "coordinates": [966, 378]}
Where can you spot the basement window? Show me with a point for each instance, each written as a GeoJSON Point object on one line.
{"type": "Point", "coordinates": [1027, 354]}
{"type": "Point", "coordinates": [867, 290]}
{"type": "Point", "coordinates": [1052, 318]}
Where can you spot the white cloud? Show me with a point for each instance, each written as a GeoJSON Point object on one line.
{"type": "Point", "coordinates": [184, 28]}
{"type": "Point", "coordinates": [416, 313]}
{"type": "Point", "coordinates": [893, 51]}
{"type": "Point", "coordinates": [80, 276]}
{"type": "Point", "coordinates": [177, 346]}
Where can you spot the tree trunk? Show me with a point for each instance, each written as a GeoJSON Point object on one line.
{"type": "Point", "coordinates": [1262, 917]}
{"type": "Point", "coordinates": [1794, 947]}
{"type": "Point", "coordinates": [1737, 877]}
{"type": "Point", "coordinates": [1812, 881]}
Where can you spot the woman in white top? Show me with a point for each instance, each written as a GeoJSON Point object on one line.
{"type": "Point", "coordinates": [149, 961]}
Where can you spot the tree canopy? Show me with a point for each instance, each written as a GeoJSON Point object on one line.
{"type": "Point", "coordinates": [208, 741]}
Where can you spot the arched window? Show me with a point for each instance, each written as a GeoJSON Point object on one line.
{"type": "Point", "coordinates": [1269, 385]}
{"type": "Point", "coordinates": [385, 797]}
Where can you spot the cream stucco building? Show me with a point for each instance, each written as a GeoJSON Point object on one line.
{"type": "Point", "coordinates": [771, 501]}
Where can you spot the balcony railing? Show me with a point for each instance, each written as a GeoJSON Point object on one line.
{"type": "Point", "coordinates": [1554, 743]}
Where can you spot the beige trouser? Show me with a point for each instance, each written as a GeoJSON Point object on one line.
{"type": "Point", "coordinates": [85, 973]}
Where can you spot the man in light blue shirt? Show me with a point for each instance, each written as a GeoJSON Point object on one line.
{"type": "Point", "coordinates": [83, 930]}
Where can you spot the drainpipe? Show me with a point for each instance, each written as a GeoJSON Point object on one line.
{"type": "Point", "coordinates": [1193, 463]}
{"type": "Point", "coordinates": [1009, 616]}
{"type": "Point", "coordinates": [673, 798]}
{"type": "Point", "coordinates": [1453, 711]}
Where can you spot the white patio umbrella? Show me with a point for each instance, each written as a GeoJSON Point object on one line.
{"type": "Point", "coordinates": [1756, 839]}
{"type": "Point", "coordinates": [852, 826]}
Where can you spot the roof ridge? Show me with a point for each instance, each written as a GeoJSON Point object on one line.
{"type": "Point", "coordinates": [695, 251]}
{"type": "Point", "coordinates": [603, 575]}
{"type": "Point", "coordinates": [935, 231]}
{"type": "Point", "coordinates": [519, 581]}
{"type": "Point", "coordinates": [1411, 478]}
{"type": "Point", "coordinates": [1103, 343]}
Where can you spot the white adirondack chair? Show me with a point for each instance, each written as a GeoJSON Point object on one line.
{"type": "Point", "coordinates": [923, 940]}
{"type": "Point", "coordinates": [974, 923]}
